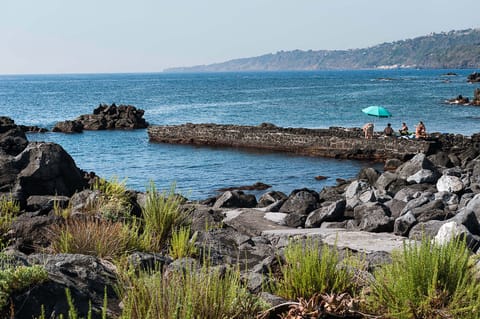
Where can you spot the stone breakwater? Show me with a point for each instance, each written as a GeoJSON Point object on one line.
{"type": "Point", "coordinates": [333, 142]}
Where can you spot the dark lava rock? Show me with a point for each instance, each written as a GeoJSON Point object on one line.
{"type": "Point", "coordinates": [301, 201]}
{"type": "Point", "coordinates": [43, 169]}
{"type": "Point", "coordinates": [373, 217]}
{"type": "Point", "coordinates": [86, 277]}
{"type": "Point", "coordinates": [12, 138]}
{"type": "Point", "coordinates": [329, 212]}
{"type": "Point", "coordinates": [237, 199]}
{"type": "Point", "coordinates": [68, 127]}
{"type": "Point", "coordinates": [271, 197]}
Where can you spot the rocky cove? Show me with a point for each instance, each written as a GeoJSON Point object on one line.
{"type": "Point", "coordinates": [431, 186]}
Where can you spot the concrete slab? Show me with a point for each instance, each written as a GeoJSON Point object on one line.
{"type": "Point", "coordinates": [342, 238]}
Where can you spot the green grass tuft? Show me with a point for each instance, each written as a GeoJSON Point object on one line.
{"type": "Point", "coordinates": [427, 280]}
{"type": "Point", "coordinates": [162, 214]}
{"type": "Point", "coordinates": [182, 245]}
{"type": "Point", "coordinates": [205, 293]}
{"type": "Point", "coordinates": [311, 269]}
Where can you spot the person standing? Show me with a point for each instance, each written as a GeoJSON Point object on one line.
{"type": "Point", "coordinates": [368, 130]}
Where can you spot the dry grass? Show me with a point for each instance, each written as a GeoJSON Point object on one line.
{"type": "Point", "coordinates": [93, 236]}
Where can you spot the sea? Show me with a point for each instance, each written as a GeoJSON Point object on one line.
{"type": "Point", "coordinates": [316, 99]}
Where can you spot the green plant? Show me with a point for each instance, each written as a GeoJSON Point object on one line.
{"type": "Point", "coordinates": [9, 209]}
{"type": "Point", "coordinates": [205, 293]}
{"type": "Point", "coordinates": [428, 280]}
{"type": "Point", "coordinates": [94, 236]}
{"type": "Point", "coordinates": [309, 269]}
{"type": "Point", "coordinates": [163, 212]}
{"type": "Point", "coordinates": [182, 245]}
{"type": "Point", "coordinates": [72, 310]}
{"type": "Point", "coordinates": [16, 278]}
{"type": "Point", "coordinates": [113, 202]}
{"type": "Point", "coordinates": [60, 211]}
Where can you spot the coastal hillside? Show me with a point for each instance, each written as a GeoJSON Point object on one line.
{"type": "Point", "coordinates": [449, 50]}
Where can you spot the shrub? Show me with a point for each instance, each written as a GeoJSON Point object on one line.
{"type": "Point", "coordinates": [9, 209]}
{"type": "Point", "coordinates": [94, 236]}
{"type": "Point", "coordinates": [310, 269]}
{"type": "Point", "coordinates": [428, 280]}
{"type": "Point", "coordinates": [182, 245]}
{"type": "Point", "coordinates": [162, 214]}
{"type": "Point", "coordinates": [16, 278]}
{"type": "Point", "coordinates": [206, 293]}
{"type": "Point", "coordinates": [114, 202]}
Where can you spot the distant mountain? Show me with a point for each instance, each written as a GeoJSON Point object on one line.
{"type": "Point", "coordinates": [448, 50]}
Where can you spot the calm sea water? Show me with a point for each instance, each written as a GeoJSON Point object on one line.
{"type": "Point", "coordinates": [290, 99]}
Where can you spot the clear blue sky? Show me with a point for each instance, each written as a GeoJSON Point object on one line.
{"type": "Point", "coordinates": [66, 36]}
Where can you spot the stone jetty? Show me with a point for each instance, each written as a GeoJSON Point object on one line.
{"type": "Point", "coordinates": [334, 142]}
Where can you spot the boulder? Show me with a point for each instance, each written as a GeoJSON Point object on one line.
{"type": "Point", "coordinates": [395, 206]}
{"type": "Point", "coordinates": [368, 174]}
{"type": "Point", "coordinates": [422, 199]}
{"type": "Point", "coordinates": [330, 212]}
{"type": "Point", "coordinates": [46, 203]}
{"type": "Point", "coordinates": [86, 277]}
{"type": "Point", "coordinates": [417, 163]}
{"type": "Point", "coordinates": [392, 164]}
{"type": "Point", "coordinates": [295, 220]}
{"type": "Point", "coordinates": [301, 201]}
{"type": "Point", "coordinates": [423, 176]}
{"type": "Point", "coordinates": [468, 218]}
{"type": "Point", "coordinates": [68, 127]}
{"type": "Point", "coordinates": [12, 138]}
{"type": "Point", "coordinates": [385, 179]}
{"type": "Point", "coordinates": [271, 197]}
{"type": "Point", "coordinates": [358, 192]}
{"type": "Point", "coordinates": [237, 199]}
{"type": "Point", "coordinates": [29, 233]}
{"type": "Point", "coordinates": [441, 159]}
{"type": "Point", "coordinates": [473, 77]}
{"type": "Point", "coordinates": [426, 230]}
{"type": "Point", "coordinates": [373, 217]}
{"type": "Point", "coordinates": [474, 205]}
{"type": "Point", "coordinates": [46, 169]}
{"type": "Point", "coordinates": [403, 224]}
{"type": "Point", "coordinates": [450, 183]}
{"type": "Point", "coordinates": [453, 231]}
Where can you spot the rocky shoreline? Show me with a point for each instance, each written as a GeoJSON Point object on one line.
{"type": "Point", "coordinates": [435, 186]}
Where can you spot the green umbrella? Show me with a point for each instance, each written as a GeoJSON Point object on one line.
{"type": "Point", "coordinates": [376, 110]}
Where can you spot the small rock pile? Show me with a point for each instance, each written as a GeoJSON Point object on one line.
{"type": "Point", "coordinates": [105, 117]}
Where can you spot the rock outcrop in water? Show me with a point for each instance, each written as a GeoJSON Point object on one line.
{"type": "Point", "coordinates": [371, 214]}
{"type": "Point", "coordinates": [461, 100]}
{"type": "Point", "coordinates": [105, 117]}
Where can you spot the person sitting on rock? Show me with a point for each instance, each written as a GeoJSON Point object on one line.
{"type": "Point", "coordinates": [368, 130]}
{"type": "Point", "coordinates": [404, 129]}
{"type": "Point", "coordinates": [388, 131]}
{"type": "Point", "coordinates": [420, 131]}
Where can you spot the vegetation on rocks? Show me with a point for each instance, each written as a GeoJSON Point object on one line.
{"type": "Point", "coordinates": [190, 293]}
{"type": "Point", "coordinates": [428, 280]}
{"type": "Point", "coordinates": [162, 214]}
{"type": "Point", "coordinates": [14, 277]}
{"type": "Point", "coordinates": [309, 269]}
{"type": "Point", "coordinates": [9, 209]}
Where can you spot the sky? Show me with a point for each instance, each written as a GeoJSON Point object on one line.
{"type": "Point", "coordinates": [110, 36]}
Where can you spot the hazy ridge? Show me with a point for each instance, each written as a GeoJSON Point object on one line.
{"type": "Point", "coordinates": [449, 50]}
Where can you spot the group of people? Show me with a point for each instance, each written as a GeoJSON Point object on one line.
{"type": "Point", "coordinates": [420, 130]}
